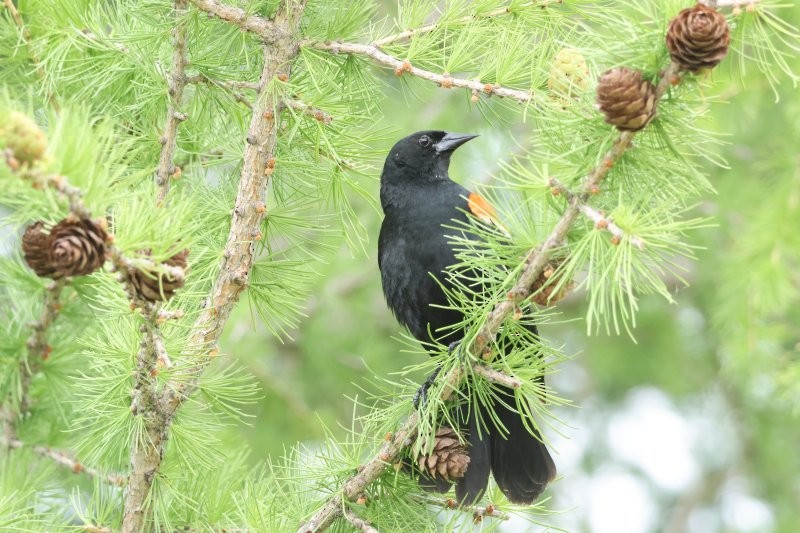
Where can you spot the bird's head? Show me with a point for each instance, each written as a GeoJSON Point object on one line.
{"type": "Point", "coordinates": [424, 155]}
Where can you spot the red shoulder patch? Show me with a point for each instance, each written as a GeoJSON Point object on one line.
{"type": "Point", "coordinates": [484, 211]}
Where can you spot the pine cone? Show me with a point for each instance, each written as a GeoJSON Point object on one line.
{"type": "Point", "coordinates": [77, 246]}
{"type": "Point", "coordinates": [448, 459]}
{"type": "Point", "coordinates": [626, 99]}
{"type": "Point", "coordinates": [36, 247]}
{"type": "Point", "coordinates": [157, 286]}
{"type": "Point", "coordinates": [569, 74]}
{"type": "Point", "coordinates": [23, 138]}
{"type": "Point", "coordinates": [698, 38]}
{"type": "Point", "coordinates": [546, 296]}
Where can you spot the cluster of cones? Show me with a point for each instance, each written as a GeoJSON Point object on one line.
{"type": "Point", "coordinates": [697, 39]}
{"type": "Point", "coordinates": [78, 246]}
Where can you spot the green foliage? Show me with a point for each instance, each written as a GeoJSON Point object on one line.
{"type": "Point", "coordinates": [106, 64]}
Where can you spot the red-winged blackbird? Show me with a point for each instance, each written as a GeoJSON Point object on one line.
{"type": "Point", "coordinates": [418, 198]}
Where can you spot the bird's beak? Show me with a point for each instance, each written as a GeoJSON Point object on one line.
{"type": "Point", "coordinates": [451, 141]}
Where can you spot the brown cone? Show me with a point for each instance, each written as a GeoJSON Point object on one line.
{"type": "Point", "coordinates": [626, 99]}
{"type": "Point", "coordinates": [157, 286]}
{"type": "Point", "coordinates": [548, 295]}
{"type": "Point", "coordinates": [698, 38]}
{"type": "Point", "coordinates": [77, 246]}
{"type": "Point", "coordinates": [448, 459]}
{"type": "Point", "coordinates": [36, 248]}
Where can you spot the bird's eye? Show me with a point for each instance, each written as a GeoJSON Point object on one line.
{"type": "Point", "coordinates": [425, 141]}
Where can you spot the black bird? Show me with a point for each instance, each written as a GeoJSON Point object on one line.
{"type": "Point", "coordinates": [418, 198]}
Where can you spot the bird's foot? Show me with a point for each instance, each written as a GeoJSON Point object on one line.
{"type": "Point", "coordinates": [421, 397]}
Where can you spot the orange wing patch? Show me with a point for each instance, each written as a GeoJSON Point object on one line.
{"type": "Point", "coordinates": [484, 211]}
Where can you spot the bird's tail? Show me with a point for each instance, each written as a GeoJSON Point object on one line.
{"type": "Point", "coordinates": [521, 464]}
{"type": "Point", "coordinates": [518, 460]}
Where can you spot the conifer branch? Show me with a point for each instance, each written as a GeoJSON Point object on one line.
{"type": "Point", "coordinates": [15, 16]}
{"type": "Point", "coordinates": [35, 59]}
{"type": "Point", "coordinates": [599, 219]}
{"type": "Point", "coordinates": [177, 81]}
{"type": "Point", "coordinates": [63, 458]}
{"type": "Point", "coordinates": [231, 86]}
{"type": "Point", "coordinates": [228, 86]}
{"type": "Point", "coordinates": [238, 256]}
{"type": "Point", "coordinates": [314, 112]}
{"type": "Point", "coordinates": [163, 316]}
{"type": "Point", "coordinates": [74, 197]}
{"type": "Point", "coordinates": [716, 4]}
{"type": "Point", "coordinates": [146, 450]}
{"type": "Point", "coordinates": [478, 511]}
{"type": "Point", "coordinates": [495, 376]}
{"type": "Point", "coordinates": [269, 31]}
{"type": "Point", "coordinates": [59, 183]}
{"type": "Point", "coordinates": [409, 34]}
{"type": "Point", "coordinates": [125, 266]}
{"type": "Point", "coordinates": [38, 348]}
{"type": "Point", "coordinates": [38, 351]}
{"type": "Point", "coordinates": [536, 261]}
{"type": "Point", "coordinates": [358, 522]}
{"type": "Point", "coordinates": [442, 80]}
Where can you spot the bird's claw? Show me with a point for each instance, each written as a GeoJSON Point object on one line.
{"type": "Point", "coordinates": [452, 347]}
{"type": "Point", "coordinates": [421, 395]}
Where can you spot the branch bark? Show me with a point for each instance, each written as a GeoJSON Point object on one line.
{"type": "Point", "coordinates": [177, 81]}
{"type": "Point", "coordinates": [478, 511]}
{"type": "Point", "coordinates": [238, 255]}
{"type": "Point", "coordinates": [407, 35]}
{"type": "Point", "coordinates": [535, 263]}
{"type": "Point", "coordinates": [495, 376]}
{"type": "Point", "coordinates": [716, 4]}
{"type": "Point", "coordinates": [63, 458]}
{"type": "Point", "coordinates": [405, 67]}
{"type": "Point", "coordinates": [269, 31]}
{"type": "Point", "coordinates": [229, 86]}
{"type": "Point", "coordinates": [38, 348]}
{"type": "Point", "coordinates": [38, 351]}
{"type": "Point", "coordinates": [599, 219]}
{"type": "Point", "coordinates": [358, 522]}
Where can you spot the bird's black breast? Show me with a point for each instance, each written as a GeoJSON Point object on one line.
{"type": "Point", "coordinates": [412, 247]}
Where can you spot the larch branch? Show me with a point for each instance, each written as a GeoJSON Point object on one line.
{"type": "Point", "coordinates": [314, 112]}
{"type": "Point", "coordinates": [358, 522]}
{"type": "Point", "coordinates": [402, 67]}
{"type": "Point", "coordinates": [409, 34]}
{"type": "Point", "coordinates": [478, 511]}
{"type": "Point", "coordinates": [177, 81]}
{"type": "Point", "coordinates": [716, 4]}
{"type": "Point", "coordinates": [281, 47]}
{"type": "Point", "coordinates": [600, 220]}
{"type": "Point", "coordinates": [35, 59]}
{"type": "Point", "coordinates": [535, 263]}
{"type": "Point", "coordinates": [147, 451]}
{"type": "Point", "coordinates": [268, 30]}
{"type": "Point", "coordinates": [228, 86]}
{"type": "Point", "coordinates": [64, 459]}
{"type": "Point", "coordinates": [231, 86]}
{"type": "Point", "coordinates": [38, 348]}
{"type": "Point", "coordinates": [495, 376]}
